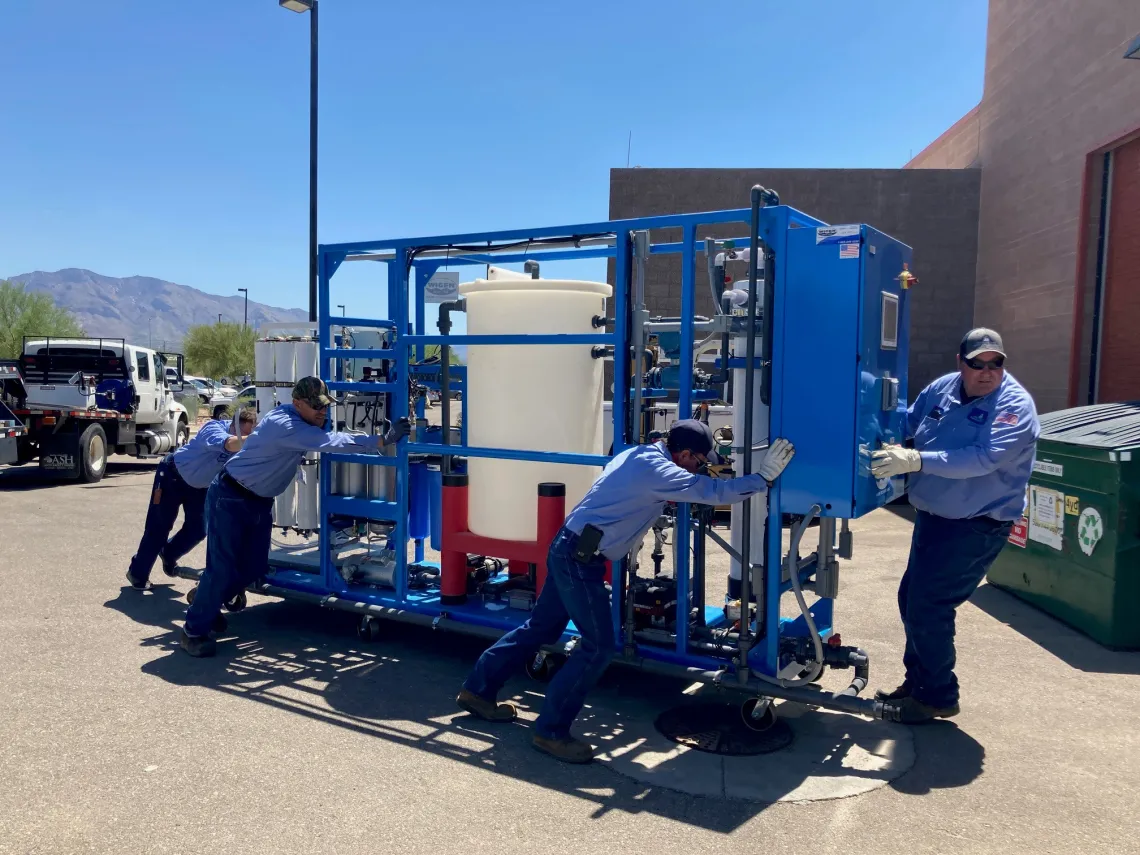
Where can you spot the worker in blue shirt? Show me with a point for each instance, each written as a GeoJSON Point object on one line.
{"type": "Point", "coordinates": [181, 481]}
{"type": "Point", "coordinates": [612, 518]}
{"type": "Point", "coordinates": [975, 437]}
{"type": "Point", "coordinates": [239, 508]}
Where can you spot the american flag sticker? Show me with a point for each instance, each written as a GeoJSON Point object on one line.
{"type": "Point", "coordinates": [1006, 419]}
{"type": "Point", "coordinates": [849, 249]}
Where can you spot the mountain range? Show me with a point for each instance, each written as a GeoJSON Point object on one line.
{"type": "Point", "coordinates": [144, 310]}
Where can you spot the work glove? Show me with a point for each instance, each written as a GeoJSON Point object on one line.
{"type": "Point", "coordinates": [400, 429]}
{"type": "Point", "coordinates": [776, 460]}
{"type": "Point", "coordinates": [892, 460]}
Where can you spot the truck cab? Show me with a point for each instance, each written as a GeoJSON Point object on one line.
{"type": "Point", "coordinates": [85, 398]}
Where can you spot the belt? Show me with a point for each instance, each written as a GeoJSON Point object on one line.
{"type": "Point", "coordinates": [237, 485]}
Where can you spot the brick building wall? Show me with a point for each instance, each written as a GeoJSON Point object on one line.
{"type": "Point", "coordinates": [1056, 88]}
{"type": "Point", "coordinates": [957, 148]}
{"type": "Point", "coordinates": [933, 210]}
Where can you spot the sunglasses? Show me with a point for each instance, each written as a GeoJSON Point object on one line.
{"type": "Point", "coordinates": [320, 408]}
{"type": "Point", "coordinates": [979, 364]}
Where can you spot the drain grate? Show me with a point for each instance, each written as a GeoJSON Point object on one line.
{"type": "Point", "coordinates": [719, 729]}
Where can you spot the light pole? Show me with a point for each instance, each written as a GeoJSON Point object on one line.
{"type": "Point", "coordinates": [341, 307]}
{"type": "Point", "coordinates": [310, 6]}
{"type": "Point", "coordinates": [149, 334]}
{"type": "Point", "coordinates": [245, 309]}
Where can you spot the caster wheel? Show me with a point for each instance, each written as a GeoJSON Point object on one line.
{"type": "Point", "coordinates": [237, 603]}
{"type": "Point", "coordinates": [819, 676]}
{"type": "Point", "coordinates": [190, 594]}
{"type": "Point", "coordinates": [368, 629]}
{"type": "Point", "coordinates": [758, 722]}
{"type": "Point", "coordinates": [544, 666]}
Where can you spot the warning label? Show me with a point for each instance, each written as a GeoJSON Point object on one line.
{"type": "Point", "coordinates": [1020, 532]}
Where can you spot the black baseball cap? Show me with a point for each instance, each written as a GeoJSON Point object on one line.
{"type": "Point", "coordinates": [980, 340]}
{"type": "Point", "coordinates": [695, 436]}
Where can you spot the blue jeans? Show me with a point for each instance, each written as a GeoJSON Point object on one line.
{"type": "Point", "coordinates": [237, 550]}
{"type": "Point", "coordinates": [168, 494]}
{"type": "Point", "coordinates": [572, 591]}
{"type": "Point", "coordinates": [948, 560]}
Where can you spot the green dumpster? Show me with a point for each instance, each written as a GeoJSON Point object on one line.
{"type": "Point", "coordinates": [1076, 552]}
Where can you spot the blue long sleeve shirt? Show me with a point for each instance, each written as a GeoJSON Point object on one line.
{"type": "Point", "coordinates": [633, 488]}
{"type": "Point", "coordinates": [199, 460]}
{"type": "Point", "coordinates": [977, 455]}
{"type": "Point", "coordinates": [268, 461]}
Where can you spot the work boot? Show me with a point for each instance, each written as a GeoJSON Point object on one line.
{"type": "Point", "coordinates": [914, 711]}
{"type": "Point", "coordinates": [137, 583]}
{"type": "Point", "coordinates": [170, 568]}
{"type": "Point", "coordinates": [484, 709]}
{"type": "Point", "coordinates": [569, 749]}
{"type": "Point", "coordinates": [197, 645]}
{"type": "Point", "coordinates": [898, 694]}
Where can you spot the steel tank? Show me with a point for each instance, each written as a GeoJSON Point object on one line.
{"type": "Point", "coordinates": [350, 479]}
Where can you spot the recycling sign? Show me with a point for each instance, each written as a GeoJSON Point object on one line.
{"type": "Point", "coordinates": [1090, 529]}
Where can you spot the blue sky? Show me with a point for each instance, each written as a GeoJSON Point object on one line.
{"type": "Point", "coordinates": [169, 139]}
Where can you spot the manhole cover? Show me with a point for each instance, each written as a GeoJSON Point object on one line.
{"type": "Point", "coordinates": [719, 729]}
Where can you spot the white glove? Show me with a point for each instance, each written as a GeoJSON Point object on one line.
{"type": "Point", "coordinates": [892, 460]}
{"type": "Point", "coordinates": [776, 460]}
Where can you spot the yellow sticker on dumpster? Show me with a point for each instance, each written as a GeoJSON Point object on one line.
{"type": "Point", "coordinates": [1073, 506]}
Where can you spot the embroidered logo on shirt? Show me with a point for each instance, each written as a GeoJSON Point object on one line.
{"type": "Point", "coordinates": [978, 416]}
{"type": "Point", "coordinates": [1006, 419]}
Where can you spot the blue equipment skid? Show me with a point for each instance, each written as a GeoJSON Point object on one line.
{"type": "Point", "coordinates": [834, 315]}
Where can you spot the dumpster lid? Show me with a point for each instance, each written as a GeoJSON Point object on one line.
{"type": "Point", "coordinates": [1099, 425]}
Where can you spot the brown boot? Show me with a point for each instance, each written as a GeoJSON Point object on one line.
{"type": "Point", "coordinates": [569, 750]}
{"type": "Point", "coordinates": [484, 709]}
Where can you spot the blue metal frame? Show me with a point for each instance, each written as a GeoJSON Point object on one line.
{"type": "Point", "coordinates": [408, 348]}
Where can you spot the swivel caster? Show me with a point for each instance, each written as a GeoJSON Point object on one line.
{"type": "Point", "coordinates": [237, 603]}
{"type": "Point", "coordinates": [190, 594]}
{"type": "Point", "coordinates": [544, 666]}
{"type": "Point", "coordinates": [758, 714]}
{"type": "Point", "coordinates": [368, 629]}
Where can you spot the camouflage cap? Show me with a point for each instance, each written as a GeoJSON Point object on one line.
{"type": "Point", "coordinates": [313, 391]}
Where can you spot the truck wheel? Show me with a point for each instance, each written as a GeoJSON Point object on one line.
{"type": "Point", "coordinates": [92, 454]}
{"type": "Point", "coordinates": [183, 436]}
{"type": "Point", "coordinates": [219, 411]}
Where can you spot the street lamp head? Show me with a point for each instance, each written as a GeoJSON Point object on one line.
{"type": "Point", "coordinates": [1133, 51]}
{"type": "Point", "coordinates": [296, 5]}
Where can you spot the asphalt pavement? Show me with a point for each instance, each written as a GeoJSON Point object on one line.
{"type": "Point", "coordinates": [300, 738]}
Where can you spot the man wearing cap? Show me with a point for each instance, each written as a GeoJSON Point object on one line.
{"type": "Point", "coordinates": [181, 481]}
{"type": "Point", "coordinates": [612, 518]}
{"type": "Point", "coordinates": [975, 437]}
{"type": "Point", "coordinates": [239, 507]}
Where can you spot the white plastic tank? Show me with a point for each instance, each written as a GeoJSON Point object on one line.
{"type": "Point", "coordinates": [759, 514]}
{"type": "Point", "coordinates": [264, 372]}
{"type": "Point", "coordinates": [530, 397]}
{"type": "Point", "coordinates": [305, 358]}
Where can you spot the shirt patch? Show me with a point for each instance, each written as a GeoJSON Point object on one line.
{"type": "Point", "coordinates": [1006, 419]}
{"type": "Point", "coordinates": [978, 416]}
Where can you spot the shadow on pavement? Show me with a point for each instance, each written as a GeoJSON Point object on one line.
{"type": "Point", "coordinates": [948, 757]}
{"type": "Point", "coordinates": [1064, 642]}
{"type": "Point", "coordinates": [30, 477]}
{"type": "Point", "coordinates": [402, 687]}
